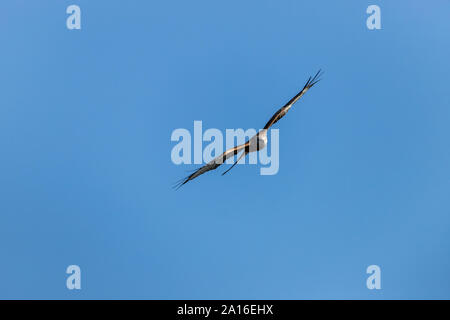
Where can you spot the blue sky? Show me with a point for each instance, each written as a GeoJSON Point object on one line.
{"type": "Point", "coordinates": [85, 123]}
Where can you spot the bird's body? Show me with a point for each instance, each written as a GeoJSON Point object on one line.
{"type": "Point", "coordinates": [255, 143]}
{"type": "Point", "coordinates": [258, 141]}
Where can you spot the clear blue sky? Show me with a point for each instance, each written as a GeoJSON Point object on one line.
{"type": "Point", "coordinates": [85, 123]}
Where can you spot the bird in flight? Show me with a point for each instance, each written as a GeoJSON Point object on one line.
{"type": "Point", "coordinates": [256, 143]}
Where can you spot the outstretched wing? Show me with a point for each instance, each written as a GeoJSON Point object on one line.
{"type": "Point", "coordinates": [213, 164]}
{"type": "Point", "coordinates": [281, 113]}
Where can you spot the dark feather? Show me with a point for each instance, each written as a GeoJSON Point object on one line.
{"type": "Point", "coordinates": [212, 165]}
{"type": "Point", "coordinates": [282, 112]}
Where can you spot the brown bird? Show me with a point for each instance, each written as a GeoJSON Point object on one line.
{"type": "Point", "coordinates": [256, 143]}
